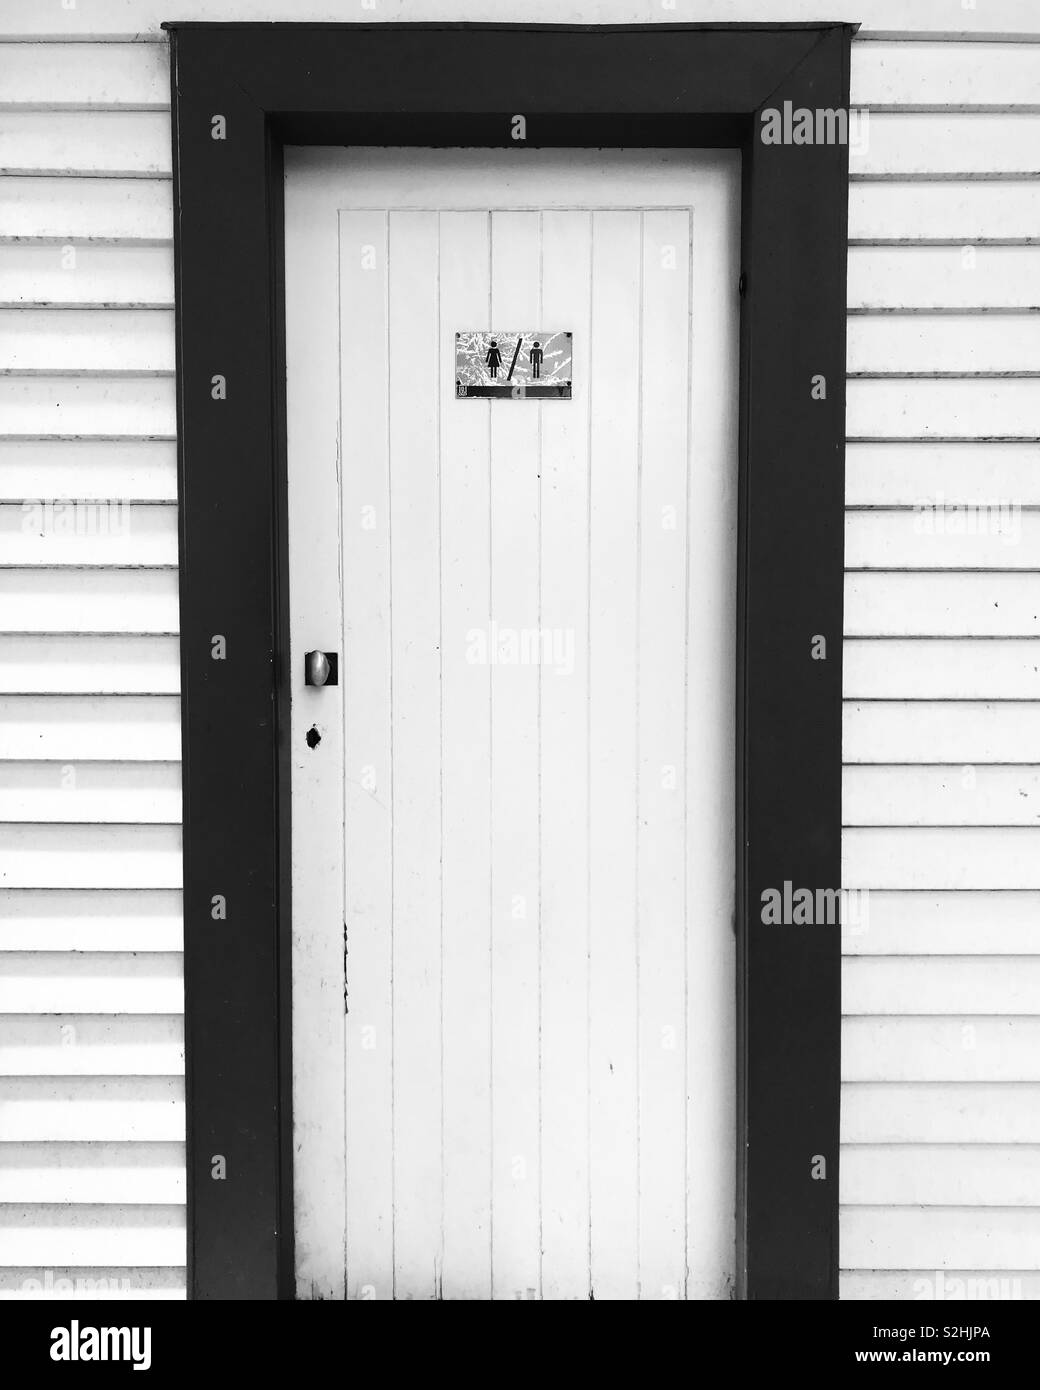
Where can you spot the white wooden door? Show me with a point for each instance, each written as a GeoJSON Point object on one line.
{"type": "Point", "coordinates": [512, 819]}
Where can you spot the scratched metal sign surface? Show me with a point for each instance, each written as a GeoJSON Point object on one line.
{"type": "Point", "coordinates": [516, 364]}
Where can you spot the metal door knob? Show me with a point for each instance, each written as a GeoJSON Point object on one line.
{"type": "Point", "coordinates": [322, 668]}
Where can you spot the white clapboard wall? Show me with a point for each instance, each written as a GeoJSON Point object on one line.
{"type": "Point", "coordinates": [941, 1120]}
{"type": "Point", "coordinates": [940, 1175]}
{"type": "Point", "coordinates": [92, 1183]}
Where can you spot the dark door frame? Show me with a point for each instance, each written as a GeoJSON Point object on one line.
{"type": "Point", "coordinates": [240, 93]}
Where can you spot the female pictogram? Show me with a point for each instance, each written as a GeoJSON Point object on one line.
{"type": "Point", "coordinates": [494, 358]}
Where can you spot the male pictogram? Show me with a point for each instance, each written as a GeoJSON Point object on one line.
{"type": "Point", "coordinates": [536, 360]}
{"type": "Point", "coordinates": [494, 358]}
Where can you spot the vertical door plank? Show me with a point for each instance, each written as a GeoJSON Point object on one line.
{"type": "Point", "coordinates": [660, 826]}
{"type": "Point", "coordinates": [614, 424]}
{"type": "Point", "coordinates": [414, 392]}
{"type": "Point", "coordinates": [312, 335]}
{"type": "Point", "coordinates": [515, 467]}
{"type": "Point", "coordinates": [566, 302]}
{"type": "Point", "coordinates": [711, 741]}
{"type": "Point", "coordinates": [466, 773]}
{"type": "Point", "coordinates": [365, 677]}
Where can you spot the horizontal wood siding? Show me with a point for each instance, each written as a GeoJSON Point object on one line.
{"type": "Point", "coordinates": [92, 1175]}
{"type": "Point", "coordinates": [941, 804]}
{"type": "Point", "coordinates": [139, 20]}
{"type": "Point", "coordinates": [941, 663]}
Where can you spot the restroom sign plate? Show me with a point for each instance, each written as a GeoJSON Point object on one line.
{"type": "Point", "coordinates": [518, 364]}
